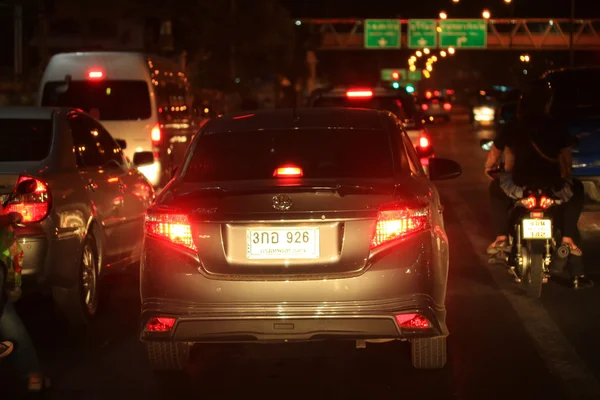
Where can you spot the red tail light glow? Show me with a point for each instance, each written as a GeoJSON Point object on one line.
{"type": "Point", "coordinates": [174, 228]}
{"type": "Point", "coordinates": [424, 107]}
{"type": "Point", "coordinates": [396, 221]}
{"type": "Point", "coordinates": [33, 207]}
{"type": "Point", "coordinates": [94, 74]}
{"type": "Point", "coordinates": [529, 202]}
{"type": "Point", "coordinates": [537, 214]}
{"type": "Point", "coordinates": [415, 321]}
{"type": "Point", "coordinates": [546, 202]}
{"type": "Point", "coordinates": [447, 106]}
{"type": "Point", "coordinates": [288, 172]}
{"type": "Point", "coordinates": [156, 134]}
{"type": "Point", "coordinates": [428, 94]}
{"type": "Point", "coordinates": [423, 142]}
{"type": "Point", "coordinates": [359, 93]}
{"type": "Point", "coordinates": [160, 324]}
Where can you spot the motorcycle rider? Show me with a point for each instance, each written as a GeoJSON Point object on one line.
{"type": "Point", "coordinates": [537, 151]}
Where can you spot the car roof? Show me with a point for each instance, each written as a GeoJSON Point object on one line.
{"type": "Point", "coordinates": [301, 118]}
{"type": "Point", "coordinates": [29, 112]}
{"type": "Point", "coordinates": [571, 70]}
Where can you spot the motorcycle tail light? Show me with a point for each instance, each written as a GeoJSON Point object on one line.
{"type": "Point", "coordinates": [528, 202]}
{"type": "Point", "coordinates": [546, 202]}
{"type": "Point", "coordinates": [537, 215]}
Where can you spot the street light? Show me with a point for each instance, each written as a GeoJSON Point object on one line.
{"type": "Point", "coordinates": [508, 1]}
{"type": "Point", "coordinates": [418, 53]}
{"type": "Point", "coordinates": [458, 1]}
{"type": "Point", "coordinates": [443, 15]}
{"type": "Point", "coordinates": [412, 68]}
{"type": "Point", "coordinates": [486, 14]}
{"type": "Point", "coordinates": [429, 67]}
{"type": "Point", "coordinates": [426, 50]}
{"type": "Point", "coordinates": [451, 50]}
{"type": "Point", "coordinates": [443, 53]}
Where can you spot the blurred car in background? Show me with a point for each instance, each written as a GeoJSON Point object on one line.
{"type": "Point", "coordinates": [435, 107]}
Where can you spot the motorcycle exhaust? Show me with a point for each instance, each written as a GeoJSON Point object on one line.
{"type": "Point", "coordinates": [563, 251]}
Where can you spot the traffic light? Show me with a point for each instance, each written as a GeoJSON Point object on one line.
{"type": "Point", "coordinates": [410, 89]}
{"type": "Point", "coordinates": [395, 75]}
{"type": "Point", "coordinates": [395, 85]}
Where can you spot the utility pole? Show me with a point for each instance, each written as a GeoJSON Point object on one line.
{"type": "Point", "coordinates": [18, 51]}
{"type": "Point", "coordinates": [571, 33]}
{"type": "Point", "coordinates": [232, 69]}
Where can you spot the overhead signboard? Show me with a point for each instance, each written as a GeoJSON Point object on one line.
{"type": "Point", "coordinates": [382, 33]}
{"type": "Point", "coordinates": [394, 74]}
{"type": "Point", "coordinates": [422, 33]}
{"type": "Point", "coordinates": [465, 33]}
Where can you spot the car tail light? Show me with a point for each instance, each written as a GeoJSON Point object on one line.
{"type": "Point", "coordinates": [546, 202]}
{"type": "Point", "coordinates": [359, 93]}
{"type": "Point", "coordinates": [156, 134]}
{"type": "Point", "coordinates": [174, 228]}
{"type": "Point", "coordinates": [288, 172]}
{"type": "Point", "coordinates": [398, 220]}
{"type": "Point", "coordinates": [447, 106]}
{"type": "Point", "coordinates": [160, 324]}
{"type": "Point", "coordinates": [33, 207]}
{"type": "Point", "coordinates": [415, 321]}
{"type": "Point", "coordinates": [424, 107]}
{"type": "Point", "coordinates": [95, 74]}
{"type": "Point", "coordinates": [528, 202]}
{"type": "Point", "coordinates": [423, 142]}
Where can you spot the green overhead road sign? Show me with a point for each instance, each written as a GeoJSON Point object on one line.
{"type": "Point", "coordinates": [465, 33]}
{"type": "Point", "coordinates": [422, 33]}
{"type": "Point", "coordinates": [382, 34]}
{"type": "Point", "coordinates": [414, 75]}
{"type": "Point", "coordinates": [393, 74]}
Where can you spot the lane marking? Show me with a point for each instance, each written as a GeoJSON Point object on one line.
{"type": "Point", "coordinates": [560, 357]}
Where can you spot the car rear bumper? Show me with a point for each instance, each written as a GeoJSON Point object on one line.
{"type": "Point", "coordinates": [591, 185]}
{"type": "Point", "coordinates": [292, 322]}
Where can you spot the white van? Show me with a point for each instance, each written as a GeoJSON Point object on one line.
{"type": "Point", "coordinates": [144, 100]}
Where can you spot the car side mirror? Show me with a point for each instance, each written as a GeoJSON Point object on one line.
{"type": "Point", "coordinates": [486, 144]}
{"type": "Point", "coordinates": [122, 143]}
{"type": "Point", "coordinates": [26, 187]}
{"type": "Point", "coordinates": [442, 169]}
{"type": "Point", "coordinates": [143, 158]}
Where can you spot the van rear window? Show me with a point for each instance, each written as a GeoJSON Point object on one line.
{"type": "Point", "coordinates": [114, 100]}
{"type": "Point", "coordinates": [25, 139]}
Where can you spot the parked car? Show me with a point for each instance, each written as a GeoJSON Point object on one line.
{"type": "Point", "coordinates": [86, 216]}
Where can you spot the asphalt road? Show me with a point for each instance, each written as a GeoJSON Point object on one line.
{"type": "Point", "coordinates": [502, 345]}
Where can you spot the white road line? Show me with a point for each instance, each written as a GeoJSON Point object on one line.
{"type": "Point", "coordinates": [560, 357]}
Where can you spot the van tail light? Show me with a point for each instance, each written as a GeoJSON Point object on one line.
{"type": "Point", "coordinates": [546, 202]}
{"type": "Point", "coordinates": [398, 220]}
{"type": "Point", "coordinates": [171, 227]}
{"type": "Point", "coordinates": [447, 106]}
{"type": "Point", "coordinates": [412, 321]}
{"type": "Point", "coordinates": [288, 172]}
{"type": "Point", "coordinates": [33, 207]}
{"type": "Point", "coordinates": [359, 93]}
{"type": "Point", "coordinates": [95, 74]}
{"type": "Point", "coordinates": [528, 202]}
{"type": "Point", "coordinates": [160, 324]}
{"type": "Point", "coordinates": [424, 107]}
{"type": "Point", "coordinates": [156, 135]}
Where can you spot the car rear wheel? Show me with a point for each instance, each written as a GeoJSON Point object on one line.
{"type": "Point", "coordinates": [79, 304]}
{"type": "Point", "coordinates": [429, 353]}
{"type": "Point", "coordinates": [167, 356]}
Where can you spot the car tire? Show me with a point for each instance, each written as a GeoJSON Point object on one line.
{"type": "Point", "coordinates": [79, 303]}
{"type": "Point", "coordinates": [429, 353]}
{"type": "Point", "coordinates": [168, 356]}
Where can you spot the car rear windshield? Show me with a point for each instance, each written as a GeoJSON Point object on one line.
{"type": "Point", "coordinates": [114, 100]}
{"type": "Point", "coordinates": [402, 109]}
{"type": "Point", "coordinates": [25, 139]}
{"type": "Point", "coordinates": [321, 153]}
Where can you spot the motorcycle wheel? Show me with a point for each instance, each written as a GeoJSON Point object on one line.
{"type": "Point", "coordinates": [535, 276]}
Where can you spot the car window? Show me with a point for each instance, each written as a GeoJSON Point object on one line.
{"type": "Point", "coordinates": [114, 100]}
{"type": "Point", "coordinates": [413, 158]}
{"type": "Point", "coordinates": [25, 139]}
{"type": "Point", "coordinates": [108, 146]}
{"type": "Point", "coordinates": [85, 142]}
{"type": "Point", "coordinates": [376, 103]}
{"type": "Point", "coordinates": [321, 153]}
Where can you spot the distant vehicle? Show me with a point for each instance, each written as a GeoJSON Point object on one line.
{"type": "Point", "coordinates": [435, 107]}
{"type": "Point", "coordinates": [295, 225]}
{"type": "Point", "coordinates": [492, 114]}
{"type": "Point", "coordinates": [142, 99]}
{"type": "Point", "coordinates": [399, 102]}
{"type": "Point", "coordinates": [86, 215]}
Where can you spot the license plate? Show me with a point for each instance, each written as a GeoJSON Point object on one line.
{"type": "Point", "coordinates": [537, 229]}
{"type": "Point", "coordinates": [282, 243]}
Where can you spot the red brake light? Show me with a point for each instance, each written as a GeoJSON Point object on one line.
{"type": "Point", "coordinates": [412, 321]}
{"type": "Point", "coordinates": [424, 107]}
{"type": "Point", "coordinates": [174, 228]}
{"type": "Point", "coordinates": [156, 134]}
{"type": "Point", "coordinates": [398, 220]}
{"type": "Point", "coordinates": [546, 202]}
{"type": "Point", "coordinates": [436, 93]}
{"type": "Point", "coordinates": [359, 93]}
{"type": "Point", "coordinates": [423, 142]}
{"type": "Point", "coordinates": [395, 75]}
{"type": "Point", "coordinates": [33, 207]}
{"type": "Point", "coordinates": [447, 106]}
{"type": "Point", "coordinates": [529, 202]}
{"type": "Point", "coordinates": [95, 74]}
{"type": "Point", "coordinates": [288, 172]}
{"type": "Point", "coordinates": [449, 92]}
{"type": "Point", "coordinates": [160, 324]}
{"type": "Point", "coordinates": [537, 214]}
{"type": "Point", "coordinates": [428, 94]}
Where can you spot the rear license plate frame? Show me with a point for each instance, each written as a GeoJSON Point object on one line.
{"type": "Point", "coordinates": [528, 229]}
{"type": "Point", "coordinates": [311, 251]}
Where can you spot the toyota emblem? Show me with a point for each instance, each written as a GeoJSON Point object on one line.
{"type": "Point", "coordinates": [282, 202]}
